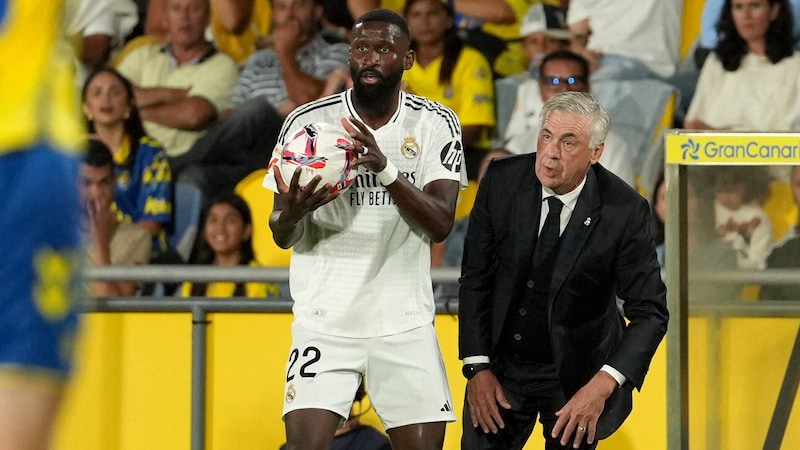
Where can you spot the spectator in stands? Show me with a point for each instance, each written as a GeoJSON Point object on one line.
{"type": "Point", "coordinates": [143, 188]}
{"type": "Point", "coordinates": [226, 239]}
{"type": "Point", "coordinates": [562, 70]}
{"type": "Point", "coordinates": [102, 27]}
{"type": "Point", "coordinates": [709, 37]}
{"type": "Point", "coordinates": [493, 27]}
{"type": "Point", "coordinates": [111, 241]}
{"type": "Point", "coordinates": [272, 83]}
{"type": "Point", "coordinates": [454, 74]}
{"type": "Point", "coordinates": [786, 253]}
{"type": "Point", "coordinates": [739, 192]}
{"type": "Point", "coordinates": [180, 86]}
{"type": "Point", "coordinates": [240, 28]}
{"type": "Point", "coordinates": [751, 80]}
{"type": "Point", "coordinates": [543, 30]}
{"type": "Point", "coordinates": [627, 39]}
{"type": "Point", "coordinates": [299, 51]}
{"type": "Point", "coordinates": [705, 248]}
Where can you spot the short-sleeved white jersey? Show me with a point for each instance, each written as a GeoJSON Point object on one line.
{"type": "Point", "coordinates": [359, 269]}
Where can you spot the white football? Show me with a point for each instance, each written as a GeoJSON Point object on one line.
{"type": "Point", "coordinates": [320, 149]}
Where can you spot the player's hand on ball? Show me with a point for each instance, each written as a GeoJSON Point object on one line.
{"type": "Point", "coordinates": [298, 201]}
{"type": "Point", "coordinates": [365, 148]}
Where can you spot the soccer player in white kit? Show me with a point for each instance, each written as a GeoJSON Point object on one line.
{"type": "Point", "coordinates": [360, 270]}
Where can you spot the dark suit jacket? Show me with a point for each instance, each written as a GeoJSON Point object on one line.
{"type": "Point", "coordinates": [606, 251]}
{"type": "Point", "coordinates": [785, 255]}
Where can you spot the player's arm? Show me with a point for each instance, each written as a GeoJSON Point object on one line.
{"type": "Point", "coordinates": [430, 210]}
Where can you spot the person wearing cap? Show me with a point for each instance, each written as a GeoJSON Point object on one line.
{"type": "Point", "coordinates": [543, 30]}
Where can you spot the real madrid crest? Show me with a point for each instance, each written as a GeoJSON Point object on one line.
{"type": "Point", "coordinates": [290, 394]}
{"type": "Point", "coordinates": [410, 148]}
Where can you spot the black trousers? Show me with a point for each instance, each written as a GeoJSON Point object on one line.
{"type": "Point", "coordinates": [534, 392]}
{"type": "Point", "coordinates": [231, 149]}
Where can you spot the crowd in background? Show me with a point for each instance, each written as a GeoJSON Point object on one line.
{"type": "Point", "coordinates": [195, 92]}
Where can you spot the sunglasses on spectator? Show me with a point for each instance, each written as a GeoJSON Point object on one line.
{"type": "Point", "coordinates": [560, 81]}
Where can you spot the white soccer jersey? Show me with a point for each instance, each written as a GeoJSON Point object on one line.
{"type": "Point", "coordinates": [359, 269]}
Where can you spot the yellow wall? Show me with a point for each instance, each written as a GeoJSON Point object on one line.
{"type": "Point", "coordinates": [132, 386]}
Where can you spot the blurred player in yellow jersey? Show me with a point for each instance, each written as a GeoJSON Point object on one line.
{"type": "Point", "coordinates": [40, 137]}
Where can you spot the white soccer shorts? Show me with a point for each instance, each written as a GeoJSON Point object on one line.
{"type": "Point", "coordinates": [404, 375]}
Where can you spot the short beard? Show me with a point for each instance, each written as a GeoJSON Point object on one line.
{"type": "Point", "coordinates": [375, 97]}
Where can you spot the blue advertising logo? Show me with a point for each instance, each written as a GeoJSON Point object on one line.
{"type": "Point", "coordinates": [690, 149]}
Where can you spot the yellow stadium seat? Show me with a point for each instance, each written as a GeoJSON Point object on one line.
{"type": "Point", "coordinates": [260, 200]}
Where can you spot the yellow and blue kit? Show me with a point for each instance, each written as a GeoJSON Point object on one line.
{"type": "Point", "coordinates": [40, 140]}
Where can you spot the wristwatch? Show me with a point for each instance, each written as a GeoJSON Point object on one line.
{"type": "Point", "coordinates": [470, 370]}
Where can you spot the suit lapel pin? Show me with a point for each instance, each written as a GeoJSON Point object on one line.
{"type": "Point", "coordinates": [587, 222]}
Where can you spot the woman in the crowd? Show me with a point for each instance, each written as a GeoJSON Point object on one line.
{"type": "Point", "coordinates": [226, 239]}
{"type": "Point", "coordinates": [144, 181]}
{"type": "Point", "coordinates": [750, 82]}
{"type": "Point", "coordinates": [451, 73]}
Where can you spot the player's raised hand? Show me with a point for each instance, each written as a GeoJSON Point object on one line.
{"type": "Point", "coordinates": [365, 148]}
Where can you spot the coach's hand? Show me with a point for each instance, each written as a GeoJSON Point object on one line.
{"type": "Point", "coordinates": [365, 148]}
{"type": "Point", "coordinates": [579, 416]}
{"type": "Point", "coordinates": [484, 393]}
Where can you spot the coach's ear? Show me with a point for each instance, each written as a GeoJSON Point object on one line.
{"type": "Point", "coordinates": [408, 60]}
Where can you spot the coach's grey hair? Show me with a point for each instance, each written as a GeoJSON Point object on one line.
{"type": "Point", "coordinates": [585, 105]}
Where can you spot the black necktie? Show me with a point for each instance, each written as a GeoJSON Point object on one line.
{"type": "Point", "coordinates": [548, 238]}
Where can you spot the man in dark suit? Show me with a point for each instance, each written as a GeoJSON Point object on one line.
{"type": "Point", "coordinates": [541, 333]}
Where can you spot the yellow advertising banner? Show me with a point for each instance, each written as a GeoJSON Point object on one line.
{"type": "Point", "coordinates": [690, 148]}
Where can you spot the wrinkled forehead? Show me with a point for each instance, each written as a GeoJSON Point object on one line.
{"type": "Point", "coordinates": [560, 117]}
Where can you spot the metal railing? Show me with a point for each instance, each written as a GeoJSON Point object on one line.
{"type": "Point", "coordinates": [200, 307]}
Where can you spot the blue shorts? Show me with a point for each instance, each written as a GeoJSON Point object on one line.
{"type": "Point", "coordinates": [40, 246]}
